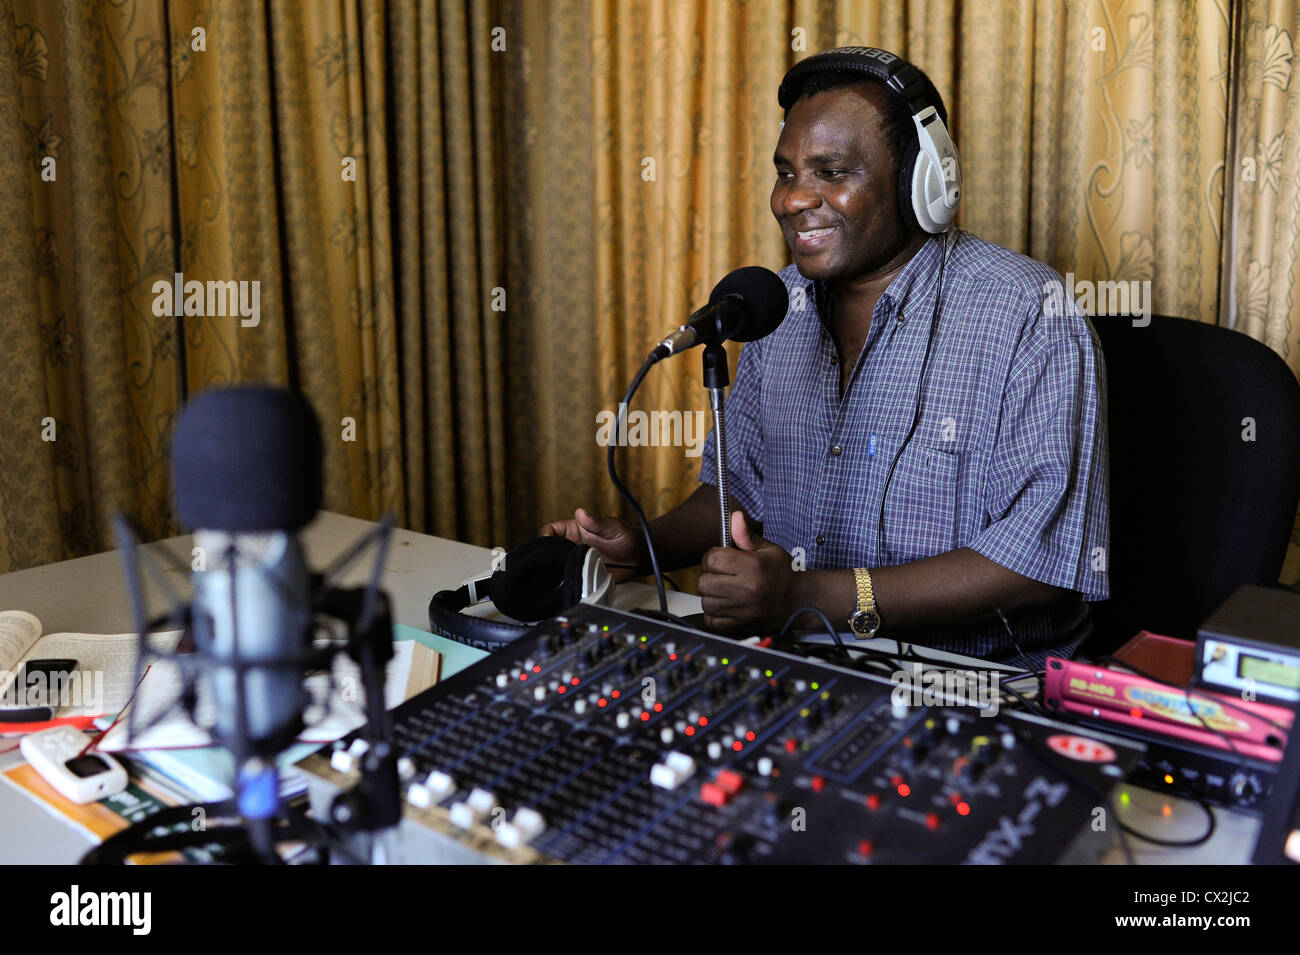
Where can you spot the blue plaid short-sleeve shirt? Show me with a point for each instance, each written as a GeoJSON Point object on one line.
{"type": "Point", "coordinates": [1008, 457]}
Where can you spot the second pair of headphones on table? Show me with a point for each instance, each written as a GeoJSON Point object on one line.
{"type": "Point", "coordinates": [537, 580]}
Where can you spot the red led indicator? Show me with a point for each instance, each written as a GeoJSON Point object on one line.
{"type": "Point", "coordinates": [690, 731]}
{"type": "Point", "coordinates": [645, 717]}
{"type": "Point", "coordinates": [537, 668]}
{"type": "Point", "coordinates": [1135, 713]}
{"type": "Point", "coordinates": [904, 790]}
{"type": "Point", "coordinates": [574, 681]}
{"type": "Point", "coordinates": [659, 707]}
{"type": "Point", "coordinates": [737, 746]}
{"type": "Point", "coordinates": [963, 809]}
{"type": "Point", "coordinates": [560, 689]}
{"type": "Point", "coordinates": [873, 801]}
{"type": "Point", "coordinates": [672, 656]}
{"type": "Point", "coordinates": [614, 694]}
{"type": "Point", "coordinates": [523, 677]}
{"type": "Point", "coordinates": [602, 701]}
{"type": "Point", "coordinates": [704, 721]}
{"type": "Point", "coordinates": [750, 736]}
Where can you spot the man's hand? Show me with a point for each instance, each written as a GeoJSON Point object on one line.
{"type": "Point", "coordinates": [618, 542]}
{"type": "Point", "coordinates": [750, 588]}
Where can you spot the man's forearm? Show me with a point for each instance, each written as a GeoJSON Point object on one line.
{"type": "Point", "coordinates": [683, 534]}
{"type": "Point", "coordinates": [954, 590]}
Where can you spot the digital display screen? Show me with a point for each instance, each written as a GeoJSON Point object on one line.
{"type": "Point", "coordinates": [1268, 671]}
{"type": "Point", "coordinates": [83, 766]}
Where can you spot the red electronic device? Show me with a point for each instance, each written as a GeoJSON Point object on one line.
{"type": "Point", "coordinates": [1199, 716]}
{"type": "Point", "coordinates": [1214, 745]}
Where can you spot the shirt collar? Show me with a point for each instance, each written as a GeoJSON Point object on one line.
{"type": "Point", "coordinates": [919, 278]}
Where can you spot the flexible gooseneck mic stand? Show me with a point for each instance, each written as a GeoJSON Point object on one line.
{"type": "Point", "coordinates": [716, 379]}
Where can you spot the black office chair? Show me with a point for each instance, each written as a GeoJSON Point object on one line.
{"type": "Point", "coordinates": [1195, 510]}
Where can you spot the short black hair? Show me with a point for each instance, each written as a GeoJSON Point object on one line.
{"type": "Point", "coordinates": [900, 131]}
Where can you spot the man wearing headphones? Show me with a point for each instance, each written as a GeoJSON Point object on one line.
{"type": "Point", "coordinates": [920, 447]}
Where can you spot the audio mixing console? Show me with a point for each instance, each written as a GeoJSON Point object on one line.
{"type": "Point", "coordinates": [607, 737]}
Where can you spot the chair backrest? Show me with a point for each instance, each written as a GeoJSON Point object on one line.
{"type": "Point", "coordinates": [1204, 427]}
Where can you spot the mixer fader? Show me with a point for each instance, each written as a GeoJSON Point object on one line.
{"type": "Point", "coordinates": [607, 737]}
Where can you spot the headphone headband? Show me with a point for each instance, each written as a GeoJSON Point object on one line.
{"type": "Point", "coordinates": [900, 76]}
{"type": "Point", "coordinates": [540, 578]}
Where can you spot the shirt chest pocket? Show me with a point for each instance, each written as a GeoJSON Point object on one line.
{"type": "Point", "coordinates": [921, 504]}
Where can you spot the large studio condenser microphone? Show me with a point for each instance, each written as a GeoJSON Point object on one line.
{"type": "Point", "coordinates": [247, 469]}
{"type": "Point", "coordinates": [746, 305]}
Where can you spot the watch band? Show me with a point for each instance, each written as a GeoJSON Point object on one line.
{"type": "Point", "coordinates": [866, 619]}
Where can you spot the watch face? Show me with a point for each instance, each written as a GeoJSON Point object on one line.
{"type": "Point", "coordinates": [865, 622]}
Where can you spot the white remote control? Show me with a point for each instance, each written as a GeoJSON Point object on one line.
{"type": "Point", "coordinates": [55, 754]}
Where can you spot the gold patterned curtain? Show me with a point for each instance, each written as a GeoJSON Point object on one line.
{"type": "Point", "coordinates": [249, 147]}
{"type": "Point", "coordinates": [469, 219]}
{"type": "Point", "coordinates": [1265, 187]}
{"type": "Point", "coordinates": [87, 209]}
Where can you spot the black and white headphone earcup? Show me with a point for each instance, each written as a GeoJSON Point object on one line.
{"type": "Point", "coordinates": [906, 176]}
{"type": "Point", "coordinates": [927, 195]}
{"type": "Point", "coordinates": [597, 584]}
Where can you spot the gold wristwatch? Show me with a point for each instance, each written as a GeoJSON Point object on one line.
{"type": "Point", "coordinates": [865, 621]}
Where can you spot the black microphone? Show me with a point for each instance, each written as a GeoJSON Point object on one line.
{"type": "Point", "coordinates": [247, 470]}
{"type": "Point", "coordinates": [746, 305]}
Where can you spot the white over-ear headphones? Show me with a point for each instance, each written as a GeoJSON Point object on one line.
{"type": "Point", "coordinates": [929, 177]}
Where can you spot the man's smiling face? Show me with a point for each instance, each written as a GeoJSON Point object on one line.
{"type": "Point", "coordinates": [836, 194]}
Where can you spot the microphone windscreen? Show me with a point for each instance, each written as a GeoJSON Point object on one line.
{"type": "Point", "coordinates": [765, 298]}
{"type": "Point", "coordinates": [247, 459]}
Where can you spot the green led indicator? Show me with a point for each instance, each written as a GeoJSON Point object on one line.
{"type": "Point", "coordinates": [816, 686]}
{"type": "Point", "coordinates": [644, 639]}
{"type": "Point", "coordinates": [725, 661]}
{"type": "Point", "coordinates": [605, 628]}
{"type": "Point", "coordinates": [1124, 798]}
{"type": "Point", "coordinates": [767, 672]}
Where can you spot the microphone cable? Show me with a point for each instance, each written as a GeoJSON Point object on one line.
{"type": "Point", "coordinates": [623, 489]}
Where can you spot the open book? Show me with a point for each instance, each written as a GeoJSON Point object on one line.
{"type": "Point", "coordinates": [100, 680]}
